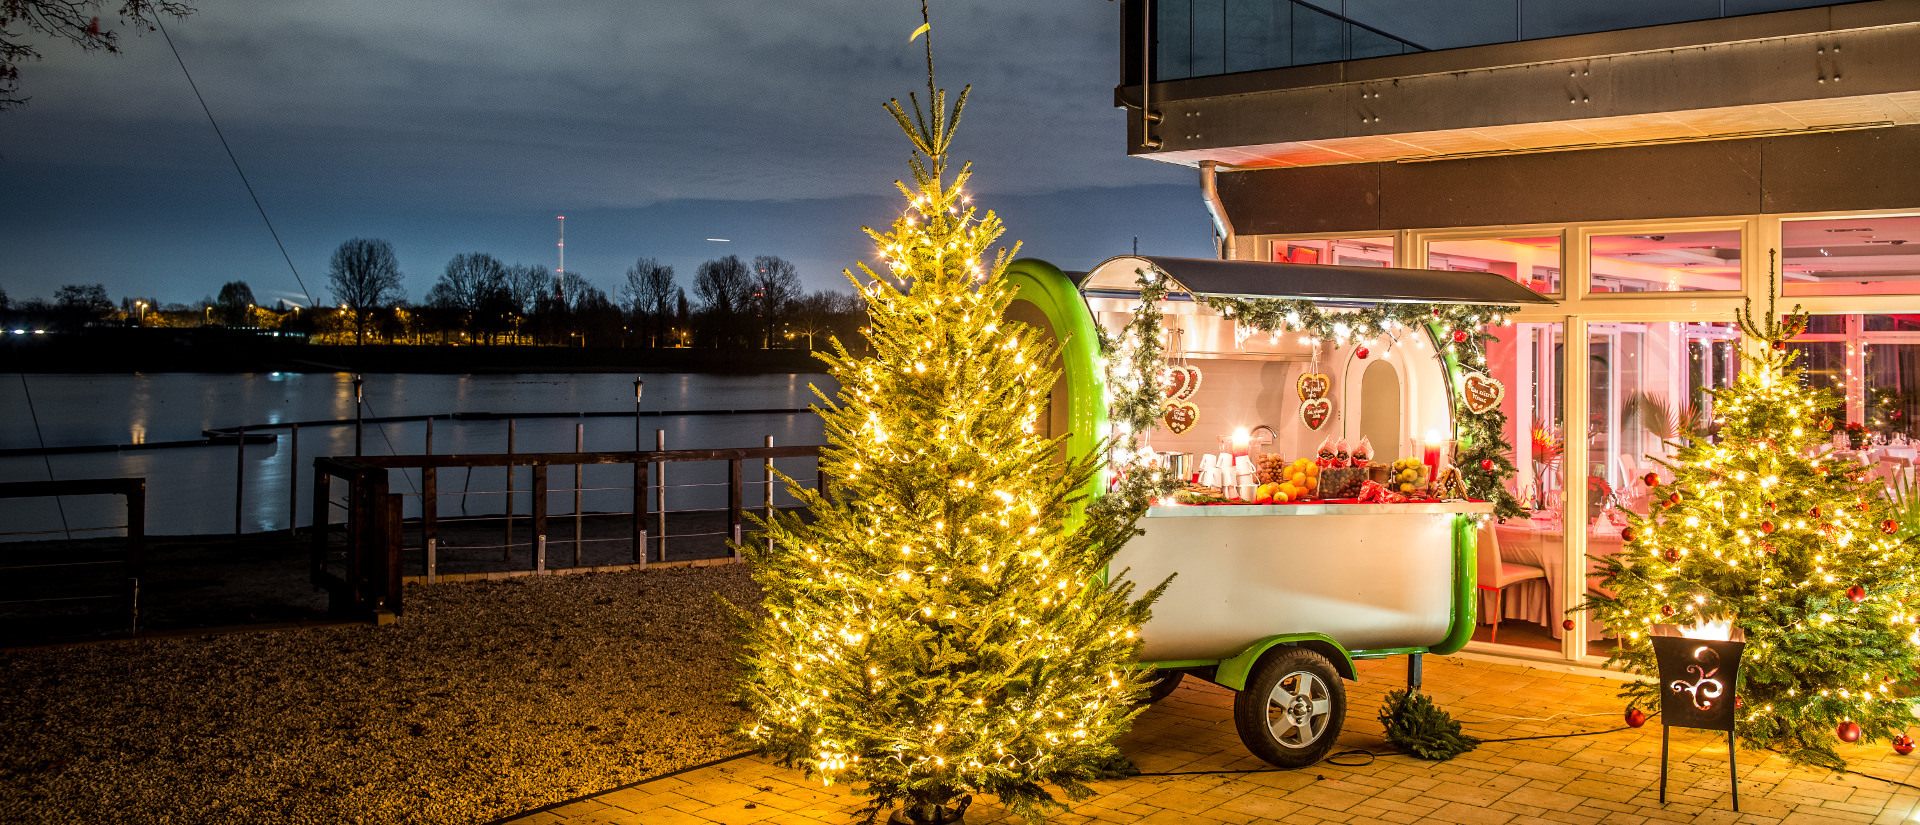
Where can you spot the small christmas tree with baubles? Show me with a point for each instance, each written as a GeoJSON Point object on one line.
{"type": "Point", "coordinates": [1796, 546]}
{"type": "Point", "coordinates": [940, 623]}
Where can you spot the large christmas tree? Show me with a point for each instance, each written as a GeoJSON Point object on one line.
{"type": "Point", "coordinates": [1796, 546]}
{"type": "Point", "coordinates": [941, 624]}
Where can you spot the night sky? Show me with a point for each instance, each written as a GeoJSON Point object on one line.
{"type": "Point", "coordinates": [652, 126]}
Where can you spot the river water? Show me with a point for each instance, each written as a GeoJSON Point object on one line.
{"type": "Point", "coordinates": [192, 490]}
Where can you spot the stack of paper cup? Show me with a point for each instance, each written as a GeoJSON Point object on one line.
{"type": "Point", "coordinates": [1243, 476]}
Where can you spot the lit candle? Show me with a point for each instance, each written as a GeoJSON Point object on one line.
{"type": "Point", "coordinates": [1430, 454]}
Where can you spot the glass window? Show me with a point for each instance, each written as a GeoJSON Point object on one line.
{"type": "Point", "coordinates": [1850, 256]}
{"type": "Point", "coordinates": [1891, 383]}
{"type": "Point", "coordinates": [1534, 262]}
{"type": "Point", "coordinates": [1527, 613]}
{"type": "Point", "coordinates": [1666, 262]}
{"type": "Point", "coordinates": [1340, 251]}
{"type": "Point", "coordinates": [1649, 388]}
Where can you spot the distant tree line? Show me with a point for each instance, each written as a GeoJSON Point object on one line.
{"type": "Point", "coordinates": [479, 299]}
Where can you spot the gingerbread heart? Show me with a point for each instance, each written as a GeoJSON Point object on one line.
{"type": "Point", "coordinates": [1314, 412]}
{"type": "Point", "coordinates": [1481, 392]}
{"type": "Point", "coordinates": [1180, 417]}
{"type": "Point", "coordinates": [1180, 382]}
{"type": "Point", "coordinates": [1313, 385]}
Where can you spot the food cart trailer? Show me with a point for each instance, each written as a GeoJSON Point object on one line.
{"type": "Point", "coordinates": [1276, 601]}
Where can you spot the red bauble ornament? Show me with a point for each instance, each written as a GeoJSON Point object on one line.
{"type": "Point", "coordinates": [1666, 610]}
{"type": "Point", "coordinates": [1813, 513]}
{"type": "Point", "coordinates": [1673, 500]}
{"type": "Point", "coordinates": [1863, 506]}
{"type": "Point", "coordinates": [1857, 594]}
{"type": "Point", "coordinates": [1779, 345]}
{"type": "Point", "coordinates": [1361, 353]}
{"type": "Point", "coordinates": [1486, 464]}
{"type": "Point", "coordinates": [1889, 527]}
{"type": "Point", "coordinates": [1902, 744]}
{"type": "Point", "coordinates": [1671, 555]}
{"type": "Point", "coordinates": [1848, 731]}
{"type": "Point", "coordinates": [1766, 527]}
{"type": "Point", "coordinates": [1566, 624]}
{"type": "Point", "coordinates": [1626, 534]}
{"type": "Point", "coordinates": [1459, 336]}
{"type": "Point", "coordinates": [1739, 703]}
{"type": "Point", "coordinates": [1652, 479]}
{"type": "Point", "coordinates": [1635, 717]}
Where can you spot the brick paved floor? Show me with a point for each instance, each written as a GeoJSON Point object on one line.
{"type": "Point", "coordinates": [1608, 778]}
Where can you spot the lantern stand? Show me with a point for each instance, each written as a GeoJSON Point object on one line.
{"type": "Point", "coordinates": [1697, 677]}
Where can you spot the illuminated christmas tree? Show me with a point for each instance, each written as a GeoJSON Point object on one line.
{"type": "Point", "coordinates": [1798, 548]}
{"type": "Point", "coordinates": [940, 624]}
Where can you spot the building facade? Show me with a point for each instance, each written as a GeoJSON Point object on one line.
{"type": "Point", "coordinates": [1649, 166]}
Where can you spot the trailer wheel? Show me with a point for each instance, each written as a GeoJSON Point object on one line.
{"type": "Point", "coordinates": [1162, 686]}
{"type": "Point", "coordinates": [1292, 708]}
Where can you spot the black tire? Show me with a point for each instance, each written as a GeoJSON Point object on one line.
{"type": "Point", "coordinates": [1162, 686]}
{"type": "Point", "coordinates": [1292, 709]}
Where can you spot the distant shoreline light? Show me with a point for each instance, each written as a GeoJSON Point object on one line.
{"type": "Point", "coordinates": [721, 240]}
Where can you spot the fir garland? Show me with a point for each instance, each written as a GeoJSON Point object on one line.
{"type": "Point", "coordinates": [1415, 723]}
{"type": "Point", "coordinates": [1135, 400]}
{"type": "Point", "coordinates": [1483, 454]}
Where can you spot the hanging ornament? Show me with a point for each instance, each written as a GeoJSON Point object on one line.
{"type": "Point", "coordinates": [1889, 527]}
{"type": "Point", "coordinates": [1766, 527]}
{"type": "Point", "coordinates": [1666, 610]}
{"type": "Point", "coordinates": [1856, 594]}
{"type": "Point", "coordinates": [1671, 555]}
{"type": "Point", "coordinates": [1312, 385]}
{"type": "Point", "coordinates": [1848, 731]}
{"type": "Point", "coordinates": [1626, 534]}
{"type": "Point", "coordinates": [1768, 548]}
{"type": "Point", "coordinates": [1566, 624]}
{"type": "Point", "coordinates": [1652, 479]}
{"type": "Point", "coordinates": [1180, 417]}
{"type": "Point", "coordinates": [1459, 336]}
{"type": "Point", "coordinates": [1813, 513]}
{"type": "Point", "coordinates": [1482, 393]}
{"type": "Point", "coordinates": [1315, 406]}
{"type": "Point", "coordinates": [1360, 353]}
{"type": "Point", "coordinates": [1486, 464]}
{"type": "Point", "coordinates": [1864, 505]}
{"type": "Point", "coordinates": [1779, 345]}
{"type": "Point", "coordinates": [1902, 744]}
{"type": "Point", "coordinates": [1180, 381]}
{"type": "Point", "coordinates": [1635, 717]}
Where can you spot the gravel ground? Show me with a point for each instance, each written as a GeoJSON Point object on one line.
{"type": "Point", "coordinates": [486, 699]}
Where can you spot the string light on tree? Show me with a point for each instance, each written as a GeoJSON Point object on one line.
{"type": "Point", "coordinates": [1822, 596]}
{"type": "Point", "coordinates": [941, 624]}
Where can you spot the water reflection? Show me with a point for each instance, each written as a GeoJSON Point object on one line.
{"type": "Point", "coordinates": [193, 490]}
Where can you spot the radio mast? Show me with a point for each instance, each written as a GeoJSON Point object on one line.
{"type": "Point", "coordinates": [561, 272]}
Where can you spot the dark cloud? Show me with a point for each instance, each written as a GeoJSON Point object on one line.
{"type": "Point", "coordinates": [454, 127]}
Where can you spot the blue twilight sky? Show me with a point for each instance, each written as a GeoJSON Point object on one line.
{"type": "Point", "coordinates": [652, 126]}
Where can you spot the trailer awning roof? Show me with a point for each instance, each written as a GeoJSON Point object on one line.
{"type": "Point", "coordinates": [1206, 277]}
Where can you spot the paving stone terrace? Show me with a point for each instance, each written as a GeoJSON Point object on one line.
{"type": "Point", "coordinates": [1196, 771]}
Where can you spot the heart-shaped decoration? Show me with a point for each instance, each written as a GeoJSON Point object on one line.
{"type": "Point", "coordinates": [1180, 417]}
{"type": "Point", "coordinates": [1180, 381]}
{"type": "Point", "coordinates": [1481, 392]}
{"type": "Point", "coordinates": [1314, 412]}
{"type": "Point", "coordinates": [1313, 385]}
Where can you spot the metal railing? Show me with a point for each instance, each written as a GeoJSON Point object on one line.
{"type": "Point", "coordinates": [371, 543]}
{"type": "Point", "coordinates": [61, 586]}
